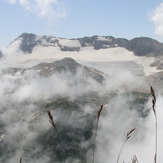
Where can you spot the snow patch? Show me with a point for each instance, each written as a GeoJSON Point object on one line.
{"type": "Point", "coordinates": [50, 54]}
{"type": "Point", "coordinates": [101, 38]}
{"type": "Point", "coordinates": [69, 43]}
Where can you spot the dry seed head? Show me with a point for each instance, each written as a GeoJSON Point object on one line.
{"type": "Point", "coordinates": [50, 115]}
{"type": "Point", "coordinates": [51, 120]}
{"type": "Point", "coordinates": [99, 111]}
{"type": "Point", "coordinates": [153, 100]}
{"type": "Point", "coordinates": [129, 133]}
{"type": "Point", "coordinates": [134, 159]}
{"type": "Point", "coordinates": [153, 93]}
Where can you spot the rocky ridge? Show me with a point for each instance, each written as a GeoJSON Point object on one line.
{"type": "Point", "coordinates": [140, 46]}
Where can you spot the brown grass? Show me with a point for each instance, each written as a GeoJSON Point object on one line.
{"type": "Point", "coordinates": [94, 143]}
{"type": "Point", "coordinates": [20, 160]}
{"type": "Point", "coordinates": [51, 120]}
{"type": "Point", "coordinates": [134, 159]}
{"type": "Point", "coordinates": [128, 135]}
{"type": "Point", "coordinates": [155, 114]}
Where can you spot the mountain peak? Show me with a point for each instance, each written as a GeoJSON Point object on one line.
{"type": "Point", "coordinates": [71, 66]}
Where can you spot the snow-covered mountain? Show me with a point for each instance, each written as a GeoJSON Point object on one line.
{"type": "Point", "coordinates": [141, 46]}
{"type": "Point", "coordinates": [95, 48]}
{"type": "Point", "coordinates": [140, 55]}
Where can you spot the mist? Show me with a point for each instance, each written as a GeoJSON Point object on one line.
{"type": "Point", "coordinates": [73, 100]}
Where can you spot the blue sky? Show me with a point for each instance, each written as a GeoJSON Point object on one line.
{"type": "Point", "coordinates": [79, 18]}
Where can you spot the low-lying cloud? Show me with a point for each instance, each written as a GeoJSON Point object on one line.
{"type": "Point", "coordinates": [23, 120]}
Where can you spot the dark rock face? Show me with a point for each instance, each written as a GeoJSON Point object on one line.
{"type": "Point", "coordinates": [65, 48]}
{"type": "Point", "coordinates": [28, 42]}
{"type": "Point", "coordinates": [87, 41]}
{"type": "Point", "coordinates": [107, 42]}
{"type": "Point", "coordinates": [68, 65]}
{"type": "Point", "coordinates": [142, 46]}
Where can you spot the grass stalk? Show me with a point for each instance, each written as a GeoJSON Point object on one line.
{"type": "Point", "coordinates": [97, 122]}
{"type": "Point", "coordinates": [128, 135]}
{"type": "Point", "coordinates": [134, 159]}
{"type": "Point", "coordinates": [155, 114]}
{"type": "Point", "coordinates": [20, 160]}
{"type": "Point", "coordinates": [51, 120]}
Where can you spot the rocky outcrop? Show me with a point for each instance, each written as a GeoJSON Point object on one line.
{"type": "Point", "coordinates": [29, 41]}
{"type": "Point", "coordinates": [71, 66]}
{"type": "Point", "coordinates": [144, 46]}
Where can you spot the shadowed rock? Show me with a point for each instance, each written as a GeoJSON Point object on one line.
{"type": "Point", "coordinates": [71, 66]}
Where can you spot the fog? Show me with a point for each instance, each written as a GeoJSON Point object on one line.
{"type": "Point", "coordinates": [25, 94]}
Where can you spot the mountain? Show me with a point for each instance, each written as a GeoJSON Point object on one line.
{"type": "Point", "coordinates": [141, 46]}
{"type": "Point", "coordinates": [71, 66]}
{"type": "Point", "coordinates": [141, 56]}
{"type": "Point", "coordinates": [30, 49]}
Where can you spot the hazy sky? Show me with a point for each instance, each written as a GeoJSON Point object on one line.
{"type": "Point", "coordinates": [79, 18]}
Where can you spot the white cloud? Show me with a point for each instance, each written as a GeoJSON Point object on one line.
{"type": "Point", "coordinates": [11, 1]}
{"type": "Point", "coordinates": [157, 18]}
{"type": "Point", "coordinates": [51, 9]}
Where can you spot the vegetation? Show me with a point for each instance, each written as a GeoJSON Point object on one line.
{"type": "Point", "coordinates": [128, 135]}
{"type": "Point", "coordinates": [61, 153]}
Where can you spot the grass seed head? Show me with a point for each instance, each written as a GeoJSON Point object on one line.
{"type": "Point", "coordinates": [99, 111]}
